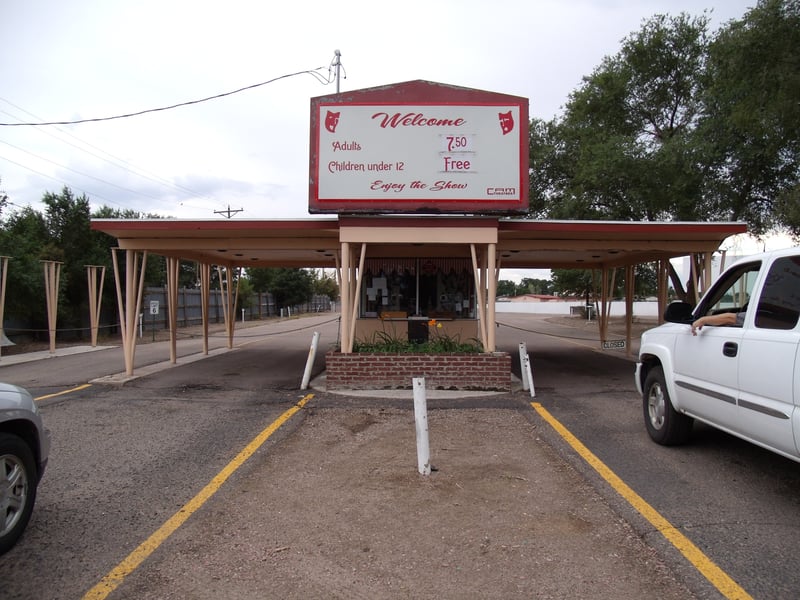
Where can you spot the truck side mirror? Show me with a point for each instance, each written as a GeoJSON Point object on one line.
{"type": "Point", "coordinates": [679, 312]}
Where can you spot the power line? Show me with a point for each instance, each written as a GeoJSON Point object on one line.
{"type": "Point", "coordinates": [61, 181]}
{"type": "Point", "coordinates": [312, 72]}
{"type": "Point", "coordinates": [124, 189]}
{"type": "Point", "coordinates": [108, 157]}
{"type": "Point", "coordinates": [332, 74]}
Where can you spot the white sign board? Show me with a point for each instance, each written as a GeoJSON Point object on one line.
{"type": "Point", "coordinates": [154, 307]}
{"type": "Point", "coordinates": [410, 153]}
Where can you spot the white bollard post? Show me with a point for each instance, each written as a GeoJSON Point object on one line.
{"type": "Point", "coordinates": [421, 421]}
{"type": "Point", "coordinates": [529, 373]}
{"type": "Point", "coordinates": [312, 352]}
{"type": "Point", "coordinates": [523, 357]}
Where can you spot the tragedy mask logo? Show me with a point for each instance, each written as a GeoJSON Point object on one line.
{"type": "Point", "coordinates": [331, 121]}
{"type": "Point", "coordinates": [506, 122]}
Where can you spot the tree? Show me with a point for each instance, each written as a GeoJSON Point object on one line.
{"type": "Point", "coordinates": [324, 285]}
{"type": "Point", "coordinates": [752, 119]}
{"type": "Point", "coordinates": [526, 286]}
{"type": "Point", "coordinates": [681, 126]}
{"type": "Point", "coordinates": [573, 283]}
{"type": "Point", "coordinates": [585, 283]}
{"type": "Point", "coordinates": [287, 286]}
{"type": "Point", "coordinates": [645, 280]}
{"type": "Point", "coordinates": [260, 282]}
{"type": "Point", "coordinates": [623, 149]}
{"type": "Point", "coordinates": [3, 199]}
{"type": "Point", "coordinates": [260, 278]}
{"type": "Point", "coordinates": [535, 286]}
{"type": "Point", "coordinates": [246, 296]}
{"type": "Point", "coordinates": [23, 238]}
{"type": "Point", "coordinates": [67, 221]}
{"type": "Point", "coordinates": [506, 288]}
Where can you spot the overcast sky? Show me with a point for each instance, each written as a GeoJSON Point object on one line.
{"type": "Point", "coordinates": [84, 59]}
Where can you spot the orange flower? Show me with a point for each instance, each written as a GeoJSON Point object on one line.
{"type": "Point", "coordinates": [432, 323]}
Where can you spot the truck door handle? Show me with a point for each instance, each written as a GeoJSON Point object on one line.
{"type": "Point", "coordinates": [730, 349]}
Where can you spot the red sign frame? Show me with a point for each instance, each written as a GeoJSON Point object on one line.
{"type": "Point", "coordinates": [419, 147]}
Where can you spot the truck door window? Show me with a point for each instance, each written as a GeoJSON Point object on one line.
{"type": "Point", "coordinates": [732, 294]}
{"type": "Point", "coordinates": [779, 304]}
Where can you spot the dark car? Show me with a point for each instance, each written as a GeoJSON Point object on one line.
{"type": "Point", "coordinates": [24, 447]}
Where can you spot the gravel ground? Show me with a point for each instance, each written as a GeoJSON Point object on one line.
{"type": "Point", "coordinates": [338, 510]}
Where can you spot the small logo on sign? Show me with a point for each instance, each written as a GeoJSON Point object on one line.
{"type": "Point", "coordinates": [506, 122]}
{"type": "Point", "coordinates": [331, 121]}
{"type": "Point", "coordinates": [501, 191]}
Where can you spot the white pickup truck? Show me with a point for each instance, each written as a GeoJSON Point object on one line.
{"type": "Point", "coordinates": [742, 378]}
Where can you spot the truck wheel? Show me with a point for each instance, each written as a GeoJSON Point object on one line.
{"type": "Point", "coordinates": [17, 488]}
{"type": "Point", "coordinates": [665, 425]}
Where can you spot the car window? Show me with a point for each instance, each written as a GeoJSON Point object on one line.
{"type": "Point", "coordinates": [732, 293]}
{"type": "Point", "coordinates": [779, 304]}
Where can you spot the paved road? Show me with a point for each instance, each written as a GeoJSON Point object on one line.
{"type": "Point", "coordinates": [124, 456]}
{"type": "Point", "coordinates": [72, 366]}
{"type": "Point", "coordinates": [738, 503]}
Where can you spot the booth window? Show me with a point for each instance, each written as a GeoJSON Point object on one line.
{"type": "Point", "coordinates": [427, 287]}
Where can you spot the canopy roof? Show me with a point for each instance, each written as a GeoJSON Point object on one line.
{"type": "Point", "coordinates": [315, 243]}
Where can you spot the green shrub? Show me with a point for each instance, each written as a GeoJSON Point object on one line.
{"type": "Point", "coordinates": [438, 342]}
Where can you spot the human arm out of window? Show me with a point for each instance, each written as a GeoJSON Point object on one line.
{"type": "Point", "coordinates": [726, 318]}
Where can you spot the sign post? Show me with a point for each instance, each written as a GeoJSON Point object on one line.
{"type": "Point", "coordinates": [154, 312]}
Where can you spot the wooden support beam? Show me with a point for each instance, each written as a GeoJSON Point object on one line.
{"type": "Point", "coordinates": [52, 277]}
{"type": "Point", "coordinates": [173, 265]}
{"type": "Point", "coordinates": [205, 294]}
{"type": "Point", "coordinates": [131, 305]}
{"type": "Point", "coordinates": [95, 298]}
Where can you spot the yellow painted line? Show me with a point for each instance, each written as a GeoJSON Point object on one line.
{"type": "Point", "coordinates": [75, 389]}
{"type": "Point", "coordinates": [117, 575]}
{"type": "Point", "coordinates": [716, 576]}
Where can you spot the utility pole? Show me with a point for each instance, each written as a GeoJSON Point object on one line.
{"type": "Point", "coordinates": [337, 64]}
{"type": "Point", "coordinates": [229, 212]}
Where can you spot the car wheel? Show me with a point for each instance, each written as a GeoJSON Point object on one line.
{"type": "Point", "coordinates": [665, 425]}
{"type": "Point", "coordinates": [17, 488]}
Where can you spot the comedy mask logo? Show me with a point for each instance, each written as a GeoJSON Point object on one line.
{"type": "Point", "coordinates": [331, 121]}
{"type": "Point", "coordinates": [506, 122]}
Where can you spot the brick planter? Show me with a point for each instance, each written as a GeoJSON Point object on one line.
{"type": "Point", "coordinates": [445, 371]}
